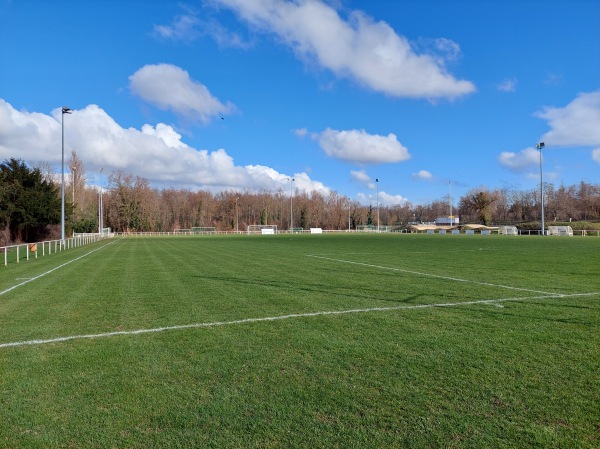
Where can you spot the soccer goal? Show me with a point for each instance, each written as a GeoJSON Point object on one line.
{"type": "Point", "coordinates": [204, 230]}
{"type": "Point", "coordinates": [366, 228]}
{"type": "Point", "coordinates": [508, 230]}
{"type": "Point", "coordinates": [373, 228]}
{"type": "Point", "coordinates": [262, 229]}
{"type": "Point", "coordinates": [560, 230]}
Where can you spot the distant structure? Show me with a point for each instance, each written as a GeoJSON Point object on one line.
{"type": "Point", "coordinates": [447, 221]}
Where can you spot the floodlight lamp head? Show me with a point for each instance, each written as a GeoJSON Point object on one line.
{"type": "Point", "coordinates": [540, 145]}
{"type": "Point", "coordinates": [66, 110]}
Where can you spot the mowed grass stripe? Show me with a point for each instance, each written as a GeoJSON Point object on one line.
{"type": "Point", "coordinates": [497, 302]}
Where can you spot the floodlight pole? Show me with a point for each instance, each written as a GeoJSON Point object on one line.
{"type": "Point", "coordinates": [450, 201]}
{"type": "Point", "coordinates": [292, 204]}
{"type": "Point", "coordinates": [237, 215]}
{"type": "Point", "coordinates": [377, 184]}
{"type": "Point", "coordinates": [65, 110]}
{"type": "Point", "coordinates": [100, 213]}
{"type": "Point", "coordinates": [539, 146]}
{"type": "Point", "coordinates": [348, 216]}
{"type": "Point", "coordinates": [100, 208]}
{"type": "Point", "coordinates": [73, 185]}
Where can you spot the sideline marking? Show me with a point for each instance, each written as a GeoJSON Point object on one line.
{"type": "Point", "coordinates": [53, 269]}
{"type": "Point", "coordinates": [448, 278]}
{"type": "Point", "coordinates": [282, 317]}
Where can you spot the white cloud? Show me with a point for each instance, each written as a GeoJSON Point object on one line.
{"type": "Point", "coordinates": [184, 27]}
{"type": "Point", "coordinates": [360, 147]}
{"type": "Point", "coordinates": [448, 48]}
{"type": "Point", "coordinates": [369, 52]}
{"type": "Point", "coordinates": [169, 87]}
{"type": "Point", "coordinates": [385, 199]}
{"type": "Point", "coordinates": [596, 155]}
{"type": "Point", "coordinates": [519, 162]}
{"type": "Point", "coordinates": [423, 175]}
{"type": "Point", "coordinates": [507, 85]}
{"type": "Point", "coordinates": [575, 124]}
{"type": "Point", "coordinates": [363, 178]}
{"type": "Point", "coordinates": [301, 132]}
{"type": "Point", "coordinates": [22, 129]}
{"type": "Point", "coordinates": [189, 26]}
{"type": "Point", "coordinates": [360, 176]}
{"type": "Point", "coordinates": [154, 152]}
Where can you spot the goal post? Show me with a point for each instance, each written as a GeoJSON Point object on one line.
{"type": "Point", "coordinates": [204, 230]}
{"type": "Point", "coordinates": [262, 229]}
{"type": "Point", "coordinates": [560, 230]}
{"type": "Point", "coordinates": [508, 230]}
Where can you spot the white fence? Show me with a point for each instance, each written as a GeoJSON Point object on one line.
{"type": "Point", "coordinates": [594, 232]}
{"type": "Point", "coordinates": [25, 251]}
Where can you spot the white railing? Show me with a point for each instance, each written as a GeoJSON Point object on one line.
{"type": "Point", "coordinates": [594, 232]}
{"type": "Point", "coordinates": [25, 251]}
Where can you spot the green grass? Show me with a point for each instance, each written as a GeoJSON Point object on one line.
{"type": "Point", "coordinates": [521, 371]}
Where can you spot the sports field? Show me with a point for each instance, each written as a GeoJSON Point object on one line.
{"type": "Point", "coordinates": [349, 341]}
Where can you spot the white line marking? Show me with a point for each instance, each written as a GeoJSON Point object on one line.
{"type": "Point", "coordinates": [282, 317]}
{"type": "Point", "coordinates": [53, 269]}
{"type": "Point", "coordinates": [448, 278]}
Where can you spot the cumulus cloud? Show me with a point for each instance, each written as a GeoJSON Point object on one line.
{"type": "Point", "coordinates": [360, 147]}
{"type": "Point", "coordinates": [385, 199]}
{"type": "Point", "coordinates": [170, 87]}
{"type": "Point", "coordinates": [576, 123]}
{"type": "Point", "coordinates": [189, 26]}
{"type": "Point", "coordinates": [153, 152]}
{"type": "Point", "coordinates": [423, 175]}
{"type": "Point", "coordinates": [363, 178]}
{"type": "Point", "coordinates": [360, 48]}
{"type": "Point", "coordinates": [596, 155]}
{"type": "Point", "coordinates": [22, 129]}
{"type": "Point", "coordinates": [507, 85]}
{"type": "Point", "coordinates": [183, 27]}
{"type": "Point", "coordinates": [519, 162]}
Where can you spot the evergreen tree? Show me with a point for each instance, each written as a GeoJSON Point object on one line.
{"type": "Point", "coordinates": [370, 216]}
{"type": "Point", "coordinates": [28, 202]}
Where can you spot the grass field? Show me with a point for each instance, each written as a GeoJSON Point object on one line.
{"type": "Point", "coordinates": [328, 341]}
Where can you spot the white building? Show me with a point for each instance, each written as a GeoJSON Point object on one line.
{"type": "Point", "coordinates": [447, 221]}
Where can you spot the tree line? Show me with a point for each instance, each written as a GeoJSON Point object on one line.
{"type": "Point", "coordinates": [30, 203]}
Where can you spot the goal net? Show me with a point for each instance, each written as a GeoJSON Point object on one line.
{"type": "Point", "coordinates": [560, 230]}
{"type": "Point", "coordinates": [508, 230]}
{"type": "Point", "coordinates": [373, 228]}
{"type": "Point", "coordinates": [262, 229]}
{"type": "Point", "coordinates": [204, 230]}
{"type": "Point", "coordinates": [366, 228]}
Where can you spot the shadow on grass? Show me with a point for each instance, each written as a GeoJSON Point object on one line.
{"type": "Point", "coordinates": [519, 314]}
{"type": "Point", "coordinates": [363, 293]}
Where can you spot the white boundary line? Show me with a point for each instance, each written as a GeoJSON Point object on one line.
{"type": "Point", "coordinates": [3, 292]}
{"type": "Point", "coordinates": [281, 317]}
{"type": "Point", "coordinates": [447, 278]}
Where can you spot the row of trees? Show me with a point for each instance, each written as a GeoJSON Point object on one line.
{"type": "Point", "coordinates": [30, 205]}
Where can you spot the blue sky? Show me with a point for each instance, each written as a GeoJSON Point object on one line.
{"type": "Point", "coordinates": [426, 96]}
